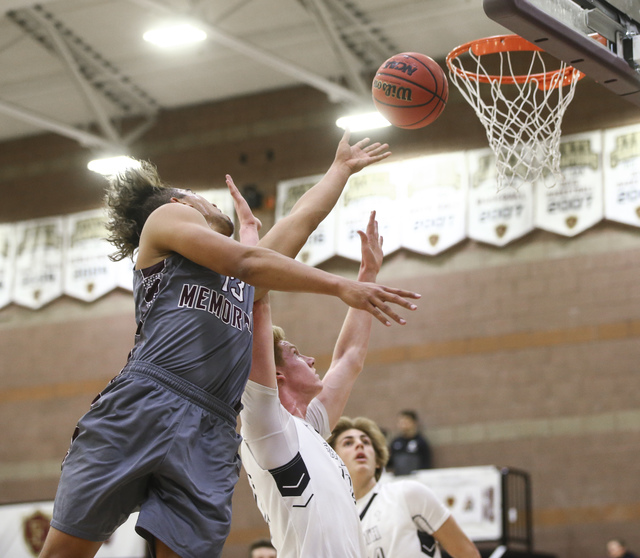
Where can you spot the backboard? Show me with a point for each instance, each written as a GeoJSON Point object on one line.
{"type": "Point", "coordinates": [564, 29]}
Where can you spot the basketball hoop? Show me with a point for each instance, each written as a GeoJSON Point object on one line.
{"type": "Point", "coordinates": [523, 107]}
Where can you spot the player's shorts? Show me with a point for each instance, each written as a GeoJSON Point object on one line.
{"type": "Point", "coordinates": [158, 444]}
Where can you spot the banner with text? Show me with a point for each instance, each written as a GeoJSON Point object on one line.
{"type": "Point", "coordinates": [38, 262]}
{"type": "Point", "coordinates": [88, 272]}
{"type": "Point", "coordinates": [622, 175]}
{"type": "Point", "coordinates": [321, 244]}
{"type": "Point", "coordinates": [496, 217]}
{"type": "Point", "coordinates": [433, 215]}
{"type": "Point", "coordinates": [7, 262]}
{"type": "Point", "coordinates": [374, 188]}
{"type": "Point", "coordinates": [576, 202]}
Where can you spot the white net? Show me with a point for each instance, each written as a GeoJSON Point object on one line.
{"type": "Point", "coordinates": [521, 109]}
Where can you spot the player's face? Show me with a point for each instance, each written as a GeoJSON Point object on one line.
{"type": "Point", "coordinates": [263, 552]}
{"type": "Point", "coordinates": [299, 370]}
{"type": "Point", "coordinates": [217, 220]}
{"type": "Point", "coordinates": [356, 450]}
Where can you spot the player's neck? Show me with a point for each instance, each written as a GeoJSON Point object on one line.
{"type": "Point", "coordinates": [362, 487]}
{"type": "Point", "coordinates": [296, 405]}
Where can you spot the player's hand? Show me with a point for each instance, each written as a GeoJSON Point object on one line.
{"type": "Point", "coordinates": [376, 299]}
{"type": "Point", "coordinates": [361, 154]}
{"type": "Point", "coordinates": [249, 223]}
{"type": "Point", "coordinates": [371, 248]}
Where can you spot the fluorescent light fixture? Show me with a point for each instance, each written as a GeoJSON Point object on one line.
{"type": "Point", "coordinates": [175, 35]}
{"type": "Point", "coordinates": [360, 122]}
{"type": "Point", "coordinates": [112, 165]}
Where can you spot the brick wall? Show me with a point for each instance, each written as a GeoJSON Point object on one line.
{"type": "Point", "coordinates": [524, 356]}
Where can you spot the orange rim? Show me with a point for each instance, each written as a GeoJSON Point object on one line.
{"type": "Point", "coordinates": [511, 43]}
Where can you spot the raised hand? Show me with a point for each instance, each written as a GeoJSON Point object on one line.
{"type": "Point", "coordinates": [371, 247]}
{"type": "Point", "coordinates": [361, 154]}
{"type": "Point", "coordinates": [249, 223]}
{"type": "Point", "coordinates": [375, 299]}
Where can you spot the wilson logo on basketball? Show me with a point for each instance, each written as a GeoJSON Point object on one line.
{"type": "Point", "coordinates": [400, 66]}
{"type": "Point", "coordinates": [393, 91]}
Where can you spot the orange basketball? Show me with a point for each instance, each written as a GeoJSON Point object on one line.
{"type": "Point", "coordinates": [410, 90]}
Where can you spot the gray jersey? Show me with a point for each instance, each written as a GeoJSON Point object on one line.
{"type": "Point", "coordinates": [195, 323]}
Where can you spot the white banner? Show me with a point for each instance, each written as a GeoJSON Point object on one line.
{"type": "Point", "coordinates": [88, 272]}
{"type": "Point", "coordinates": [496, 217]}
{"type": "Point", "coordinates": [472, 494]}
{"type": "Point", "coordinates": [38, 261]}
{"type": "Point", "coordinates": [576, 202]}
{"type": "Point", "coordinates": [23, 528]}
{"type": "Point", "coordinates": [622, 175]}
{"type": "Point", "coordinates": [375, 188]}
{"type": "Point", "coordinates": [7, 262]}
{"type": "Point", "coordinates": [321, 244]}
{"type": "Point", "coordinates": [433, 217]}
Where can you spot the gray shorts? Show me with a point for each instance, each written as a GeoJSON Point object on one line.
{"type": "Point", "coordinates": [154, 443]}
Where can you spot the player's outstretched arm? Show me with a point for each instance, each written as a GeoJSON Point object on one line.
{"type": "Point", "coordinates": [289, 235]}
{"type": "Point", "coordinates": [178, 228]}
{"type": "Point", "coordinates": [351, 348]}
{"type": "Point", "coordinates": [455, 541]}
{"type": "Point", "coordinates": [263, 363]}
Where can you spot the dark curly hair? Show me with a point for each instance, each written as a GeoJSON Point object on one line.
{"type": "Point", "coordinates": [130, 198]}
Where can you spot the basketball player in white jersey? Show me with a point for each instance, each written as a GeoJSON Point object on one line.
{"type": "Point", "coordinates": [301, 486]}
{"type": "Point", "coordinates": [400, 519]}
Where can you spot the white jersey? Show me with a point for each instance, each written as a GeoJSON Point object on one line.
{"type": "Point", "coordinates": [302, 487]}
{"type": "Point", "coordinates": [399, 519]}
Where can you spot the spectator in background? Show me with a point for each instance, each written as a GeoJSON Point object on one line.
{"type": "Point", "coordinates": [262, 548]}
{"type": "Point", "coordinates": [617, 548]}
{"type": "Point", "coordinates": [409, 451]}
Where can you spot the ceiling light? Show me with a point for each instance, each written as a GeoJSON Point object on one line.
{"type": "Point", "coordinates": [360, 122]}
{"type": "Point", "coordinates": [175, 35]}
{"type": "Point", "coordinates": [112, 165]}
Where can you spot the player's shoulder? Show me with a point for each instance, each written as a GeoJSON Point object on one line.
{"type": "Point", "coordinates": [410, 488]}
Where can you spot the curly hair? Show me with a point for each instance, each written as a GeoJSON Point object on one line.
{"type": "Point", "coordinates": [130, 198]}
{"type": "Point", "coordinates": [371, 429]}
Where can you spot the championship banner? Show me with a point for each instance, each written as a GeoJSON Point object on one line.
{"type": "Point", "coordinates": [88, 272]}
{"type": "Point", "coordinates": [622, 175]}
{"type": "Point", "coordinates": [374, 188]}
{"type": "Point", "coordinates": [576, 202]}
{"type": "Point", "coordinates": [124, 273]}
{"type": "Point", "coordinates": [321, 245]}
{"type": "Point", "coordinates": [472, 494]}
{"type": "Point", "coordinates": [433, 216]}
{"type": "Point", "coordinates": [7, 264]}
{"type": "Point", "coordinates": [38, 262]}
{"type": "Point", "coordinates": [496, 217]}
{"type": "Point", "coordinates": [23, 528]}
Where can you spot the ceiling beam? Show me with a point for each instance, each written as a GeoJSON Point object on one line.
{"type": "Point", "coordinates": [336, 92]}
{"type": "Point", "coordinates": [349, 64]}
{"type": "Point", "coordinates": [84, 138]}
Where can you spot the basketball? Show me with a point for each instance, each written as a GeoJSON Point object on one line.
{"type": "Point", "coordinates": [410, 90]}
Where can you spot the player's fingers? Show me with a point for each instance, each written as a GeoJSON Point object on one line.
{"type": "Point", "coordinates": [386, 309]}
{"type": "Point", "coordinates": [362, 143]}
{"type": "Point", "coordinates": [399, 296]}
{"type": "Point", "coordinates": [378, 148]}
{"type": "Point", "coordinates": [378, 315]}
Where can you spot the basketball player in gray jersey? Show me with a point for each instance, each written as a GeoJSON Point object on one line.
{"type": "Point", "coordinates": [161, 437]}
